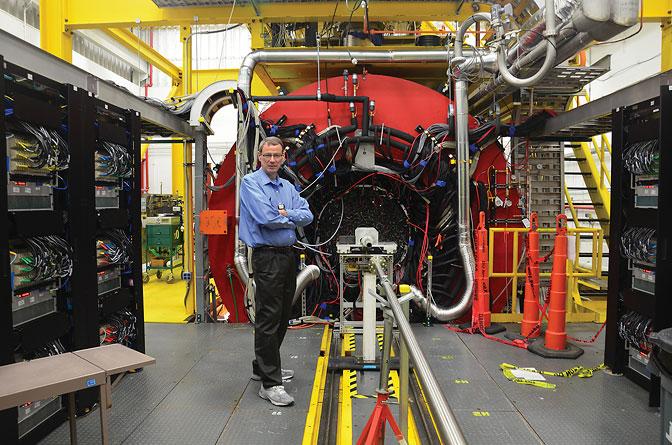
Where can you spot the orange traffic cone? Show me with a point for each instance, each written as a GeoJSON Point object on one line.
{"type": "Point", "coordinates": [555, 344]}
{"type": "Point", "coordinates": [530, 327]}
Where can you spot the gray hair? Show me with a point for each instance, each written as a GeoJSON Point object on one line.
{"type": "Point", "coordinates": [271, 140]}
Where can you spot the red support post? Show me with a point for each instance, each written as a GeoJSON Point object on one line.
{"type": "Point", "coordinates": [480, 311]}
{"type": "Point", "coordinates": [530, 327]}
{"type": "Point", "coordinates": [374, 431]}
{"type": "Point", "coordinates": [480, 308]}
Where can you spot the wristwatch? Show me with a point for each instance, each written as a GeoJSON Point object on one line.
{"type": "Point", "coordinates": [281, 206]}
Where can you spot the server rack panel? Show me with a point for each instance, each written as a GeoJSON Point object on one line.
{"type": "Point", "coordinates": [640, 266]}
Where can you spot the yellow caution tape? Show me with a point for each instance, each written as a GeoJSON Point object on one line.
{"type": "Point", "coordinates": [579, 371]}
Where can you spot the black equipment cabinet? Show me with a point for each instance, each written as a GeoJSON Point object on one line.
{"type": "Point", "coordinates": [46, 202]}
{"type": "Point", "coordinates": [640, 265]}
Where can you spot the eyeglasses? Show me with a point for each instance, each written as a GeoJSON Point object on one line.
{"type": "Point", "coordinates": [273, 155]}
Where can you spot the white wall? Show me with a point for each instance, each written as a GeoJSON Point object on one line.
{"type": "Point", "coordinates": [632, 60]}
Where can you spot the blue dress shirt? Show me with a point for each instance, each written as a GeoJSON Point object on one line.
{"type": "Point", "coordinates": [260, 222]}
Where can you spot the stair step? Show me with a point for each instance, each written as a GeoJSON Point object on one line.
{"type": "Point", "coordinates": [590, 189]}
{"type": "Point", "coordinates": [578, 173]}
{"type": "Point", "coordinates": [575, 159]}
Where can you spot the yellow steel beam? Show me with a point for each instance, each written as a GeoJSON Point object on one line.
{"type": "Point", "coordinates": [54, 38]}
{"type": "Point", "coordinates": [655, 10]}
{"type": "Point", "coordinates": [146, 52]}
{"type": "Point", "coordinates": [257, 34]}
{"type": "Point", "coordinates": [666, 48]}
{"type": "Point", "coordinates": [262, 85]}
{"type": "Point", "coordinates": [185, 38]}
{"type": "Point", "coordinates": [128, 13]}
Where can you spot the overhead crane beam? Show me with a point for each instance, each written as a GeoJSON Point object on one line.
{"type": "Point", "coordinates": [81, 14]}
{"type": "Point", "coordinates": [146, 52]}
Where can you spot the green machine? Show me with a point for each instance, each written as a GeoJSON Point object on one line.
{"type": "Point", "coordinates": [164, 241]}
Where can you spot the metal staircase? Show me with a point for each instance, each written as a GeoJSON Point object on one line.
{"type": "Point", "coordinates": [587, 192]}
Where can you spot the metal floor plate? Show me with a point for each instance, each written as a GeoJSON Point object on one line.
{"type": "Point", "coordinates": [199, 392]}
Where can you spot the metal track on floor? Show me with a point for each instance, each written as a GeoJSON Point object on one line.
{"type": "Point", "coordinates": [343, 396]}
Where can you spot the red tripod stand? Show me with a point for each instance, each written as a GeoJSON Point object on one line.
{"type": "Point", "coordinates": [374, 430]}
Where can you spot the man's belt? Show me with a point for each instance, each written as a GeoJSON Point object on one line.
{"type": "Point", "coordinates": [277, 249]}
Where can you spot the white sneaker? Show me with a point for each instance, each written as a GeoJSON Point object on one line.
{"type": "Point", "coordinates": [276, 395]}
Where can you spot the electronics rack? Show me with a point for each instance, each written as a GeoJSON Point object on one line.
{"type": "Point", "coordinates": [69, 211]}
{"type": "Point", "coordinates": [33, 311]}
{"type": "Point", "coordinates": [119, 285]}
{"type": "Point", "coordinates": [640, 265]}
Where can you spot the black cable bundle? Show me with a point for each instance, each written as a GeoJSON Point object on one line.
{"type": "Point", "coordinates": [416, 173]}
{"type": "Point", "coordinates": [116, 249]}
{"type": "Point", "coordinates": [642, 158]}
{"type": "Point", "coordinates": [119, 328]}
{"type": "Point", "coordinates": [51, 258]}
{"type": "Point", "coordinates": [54, 347]}
{"type": "Point", "coordinates": [43, 148]}
{"type": "Point", "coordinates": [117, 161]}
{"type": "Point", "coordinates": [635, 328]}
{"type": "Point", "coordinates": [639, 244]}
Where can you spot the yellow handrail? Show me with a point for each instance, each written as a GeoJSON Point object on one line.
{"type": "Point", "coordinates": [572, 210]}
{"type": "Point", "coordinates": [574, 269]}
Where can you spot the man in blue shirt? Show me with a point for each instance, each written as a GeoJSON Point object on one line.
{"type": "Point", "coordinates": [270, 211]}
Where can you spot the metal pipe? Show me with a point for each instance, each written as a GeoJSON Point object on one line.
{"type": "Point", "coordinates": [446, 423]}
{"type": "Point", "coordinates": [245, 84]}
{"type": "Point", "coordinates": [403, 378]}
{"type": "Point", "coordinates": [306, 55]}
{"type": "Point", "coordinates": [303, 279]}
{"type": "Point", "coordinates": [549, 61]}
{"type": "Point", "coordinates": [463, 219]}
{"type": "Point", "coordinates": [575, 31]}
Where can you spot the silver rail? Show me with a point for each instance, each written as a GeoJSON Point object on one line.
{"type": "Point", "coordinates": [449, 430]}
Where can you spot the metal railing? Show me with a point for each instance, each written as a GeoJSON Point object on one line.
{"type": "Point", "coordinates": [446, 423]}
{"type": "Point", "coordinates": [596, 172]}
{"type": "Point", "coordinates": [575, 269]}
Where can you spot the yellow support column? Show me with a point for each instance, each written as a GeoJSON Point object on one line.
{"type": "Point", "coordinates": [185, 38]}
{"type": "Point", "coordinates": [183, 168]}
{"type": "Point", "coordinates": [54, 38]}
{"type": "Point", "coordinates": [189, 226]}
{"type": "Point", "coordinates": [257, 34]}
{"type": "Point", "coordinates": [177, 151]}
{"type": "Point", "coordinates": [666, 47]}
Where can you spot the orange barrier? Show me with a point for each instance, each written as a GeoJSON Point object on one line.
{"type": "Point", "coordinates": [529, 327]}
{"type": "Point", "coordinates": [555, 344]}
{"type": "Point", "coordinates": [556, 337]}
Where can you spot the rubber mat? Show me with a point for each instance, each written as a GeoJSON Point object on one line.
{"type": "Point", "coordinates": [164, 303]}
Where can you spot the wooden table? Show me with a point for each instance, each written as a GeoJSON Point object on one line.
{"type": "Point", "coordinates": [67, 373]}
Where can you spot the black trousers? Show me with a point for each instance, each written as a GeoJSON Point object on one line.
{"type": "Point", "coordinates": [275, 279]}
